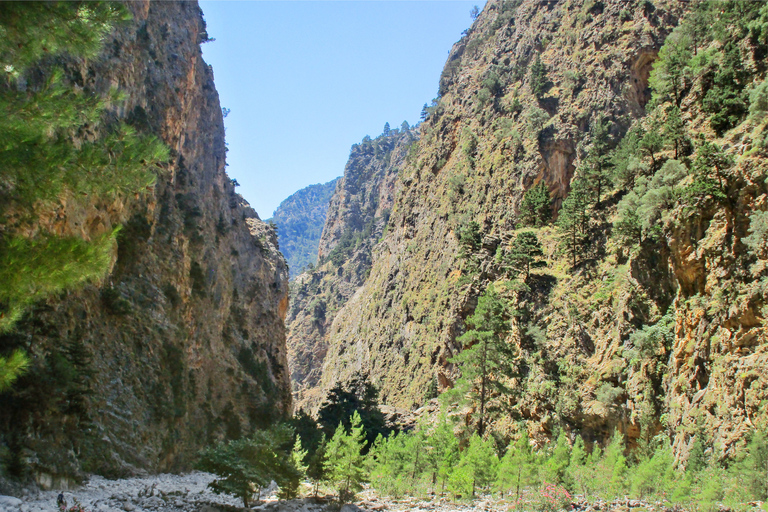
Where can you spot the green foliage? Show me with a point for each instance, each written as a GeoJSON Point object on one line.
{"type": "Point", "coordinates": [247, 465]}
{"type": "Point", "coordinates": [754, 467]}
{"type": "Point", "coordinates": [626, 160]}
{"type": "Point", "coordinates": [479, 462]}
{"type": "Point", "coordinates": [671, 74]}
{"type": "Point", "coordinates": [757, 241]}
{"type": "Point", "coordinates": [612, 470]}
{"type": "Point", "coordinates": [31, 269]}
{"type": "Point", "coordinates": [758, 101]}
{"type": "Point", "coordinates": [573, 220]}
{"type": "Point", "coordinates": [596, 168]}
{"type": "Point", "coordinates": [536, 207]}
{"type": "Point", "coordinates": [538, 80]}
{"type": "Point", "coordinates": [443, 451]}
{"type": "Point", "coordinates": [401, 462]}
{"type": "Point", "coordinates": [644, 211]}
{"type": "Point", "coordinates": [486, 361]}
{"type": "Point", "coordinates": [57, 142]}
{"type": "Point", "coordinates": [31, 31]}
{"type": "Point", "coordinates": [12, 367]}
{"type": "Point", "coordinates": [674, 131]}
{"type": "Point", "coordinates": [652, 340]}
{"type": "Point", "coordinates": [654, 476]}
{"type": "Point", "coordinates": [359, 397]}
{"type": "Point", "coordinates": [524, 253]}
{"type": "Point", "coordinates": [518, 468]}
{"type": "Point", "coordinates": [470, 239]}
{"type": "Point", "coordinates": [344, 465]}
{"type": "Point", "coordinates": [554, 470]}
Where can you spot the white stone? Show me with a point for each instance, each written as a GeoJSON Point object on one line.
{"type": "Point", "coordinates": [10, 502]}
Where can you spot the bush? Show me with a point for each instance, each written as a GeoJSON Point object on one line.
{"type": "Point", "coordinates": [247, 465]}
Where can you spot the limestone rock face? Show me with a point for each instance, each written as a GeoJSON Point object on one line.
{"type": "Point", "coordinates": [668, 336]}
{"type": "Point", "coordinates": [184, 342]}
{"type": "Point", "coordinates": [357, 215]}
{"type": "Point", "coordinates": [486, 141]}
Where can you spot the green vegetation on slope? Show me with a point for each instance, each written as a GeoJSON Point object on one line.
{"type": "Point", "coordinates": [300, 220]}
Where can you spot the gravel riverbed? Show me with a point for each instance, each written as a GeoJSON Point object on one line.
{"type": "Point", "coordinates": [190, 493]}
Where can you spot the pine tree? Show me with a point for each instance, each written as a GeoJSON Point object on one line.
{"type": "Point", "coordinates": [579, 469]}
{"type": "Point", "coordinates": [674, 130]}
{"type": "Point", "coordinates": [651, 143]}
{"type": "Point", "coordinates": [573, 220]}
{"type": "Point", "coordinates": [536, 207]}
{"type": "Point", "coordinates": [481, 460]}
{"type": "Point", "coordinates": [555, 468]}
{"type": "Point", "coordinates": [40, 158]}
{"type": "Point", "coordinates": [538, 78]}
{"type": "Point", "coordinates": [386, 129]}
{"type": "Point", "coordinates": [598, 162]}
{"type": "Point", "coordinates": [344, 464]}
{"type": "Point", "coordinates": [517, 469]}
{"type": "Point", "coordinates": [443, 452]}
{"type": "Point", "coordinates": [486, 361]}
{"type": "Point", "coordinates": [524, 253]}
{"type": "Point", "coordinates": [670, 76]}
{"type": "Point", "coordinates": [11, 368]}
{"type": "Point", "coordinates": [612, 471]}
{"type": "Point", "coordinates": [255, 461]}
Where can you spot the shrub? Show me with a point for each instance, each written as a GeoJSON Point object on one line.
{"type": "Point", "coordinates": [247, 465]}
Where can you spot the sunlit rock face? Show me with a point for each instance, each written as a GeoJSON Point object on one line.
{"type": "Point", "coordinates": [184, 341]}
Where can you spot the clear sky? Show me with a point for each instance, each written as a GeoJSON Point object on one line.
{"type": "Point", "coordinates": [305, 80]}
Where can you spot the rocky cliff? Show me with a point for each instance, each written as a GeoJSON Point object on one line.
{"type": "Point", "coordinates": [661, 333]}
{"type": "Point", "coordinates": [183, 343]}
{"type": "Point", "coordinates": [300, 220]}
{"type": "Point", "coordinates": [357, 215]}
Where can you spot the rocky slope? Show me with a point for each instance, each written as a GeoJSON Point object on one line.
{"type": "Point", "coordinates": [357, 214]}
{"type": "Point", "coordinates": [184, 342]}
{"type": "Point", "coordinates": [300, 220]}
{"type": "Point", "coordinates": [521, 97]}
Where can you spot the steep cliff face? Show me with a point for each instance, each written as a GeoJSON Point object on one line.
{"type": "Point", "coordinates": [300, 220]}
{"type": "Point", "coordinates": [665, 332]}
{"type": "Point", "coordinates": [184, 342]}
{"type": "Point", "coordinates": [358, 212]}
{"type": "Point", "coordinates": [486, 140]}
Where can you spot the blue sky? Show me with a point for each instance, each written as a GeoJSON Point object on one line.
{"type": "Point", "coordinates": [305, 80]}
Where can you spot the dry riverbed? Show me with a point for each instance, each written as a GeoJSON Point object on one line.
{"type": "Point", "coordinates": [190, 493]}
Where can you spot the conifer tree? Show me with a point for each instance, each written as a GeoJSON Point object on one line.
{"type": "Point", "coordinates": [555, 468]}
{"type": "Point", "coordinates": [487, 360]}
{"type": "Point", "coordinates": [40, 158]}
{"type": "Point", "coordinates": [524, 253]}
{"type": "Point", "coordinates": [344, 463]}
{"type": "Point", "coordinates": [480, 461]}
{"type": "Point", "coordinates": [255, 461]}
{"type": "Point", "coordinates": [612, 471]}
{"type": "Point", "coordinates": [538, 78]}
{"type": "Point", "coordinates": [536, 207]}
{"type": "Point", "coordinates": [443, 453]}
{"type": "Point", "coordinates": [651, 143]}
{"type": "Point", "coordinates": [598, 161]}
{"type": "Point", "coordinates": [518, 468]}
{"type": "Point", "coordinates": [674, 130]}
{"type": "Point", "coordinates": [670, 76]}
{"type": "Point", "coordinates": [573, 220]}
{"type": "Point", "coordinates": [579, 469]}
